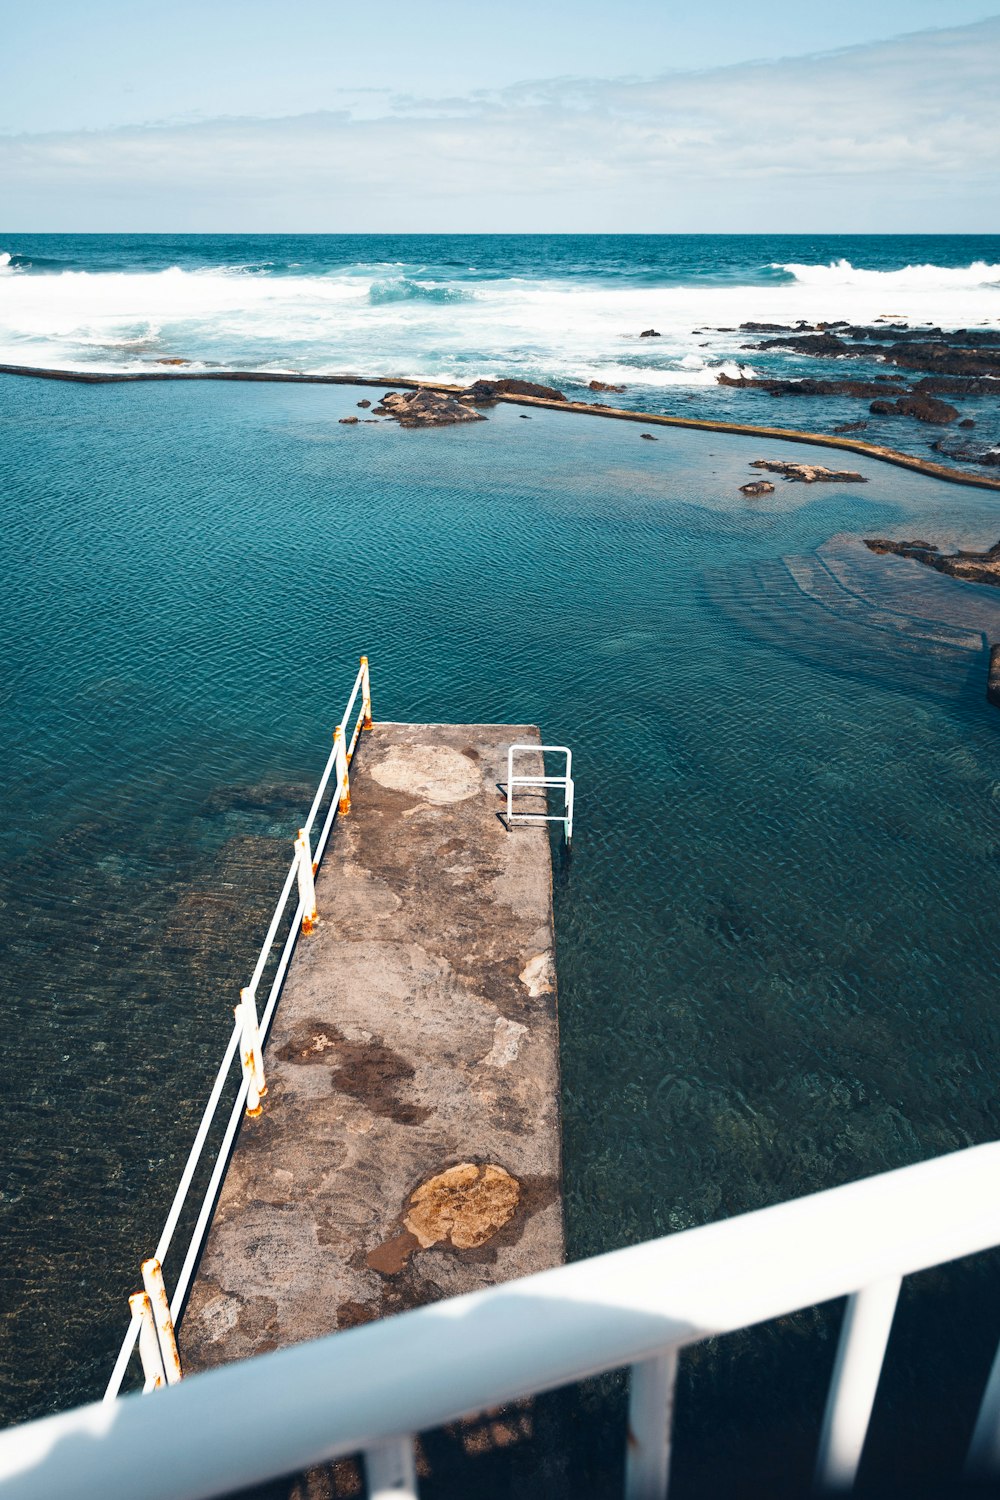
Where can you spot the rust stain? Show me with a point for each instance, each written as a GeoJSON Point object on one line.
{"type": "Point", "coordinates": [393, 1255]}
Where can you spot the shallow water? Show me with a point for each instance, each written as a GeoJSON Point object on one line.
{"type": "Point", "coordinates": [776, 937]}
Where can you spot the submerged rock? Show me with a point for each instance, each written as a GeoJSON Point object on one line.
{"type": "Point", "coordinates": [423, 408]}
{"type": "Point", "coordinates": [808, 473]}
{"type": "Point", "coordinates": [600, 385]}
{"type": "Point", "coordinates": [968, 450]}
{"type": "Point", "coordinates": [650, 333]}
{"type": "Point", "coordinates": [851, 427]}
{"type": "Point", "coordinates": [348, 421]}
{"type": "Point", "coordinates": [974, 567]}
{"type": "Point", "coordinates": [649, 438]}
{"type": "Point", "coordinates": [757, 487]}
{"type": "Point", "coordinates": [364, 404]}
{"type": "Point", "coordinates": [993, 680]}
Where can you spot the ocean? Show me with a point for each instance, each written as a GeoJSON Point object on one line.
{"type": "Point", "coordinates": [776, 939]}
{"type": "Point", "coordinates": [561, 309]}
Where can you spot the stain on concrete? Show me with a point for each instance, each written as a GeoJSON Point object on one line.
{"type": "Point", "coordinates": [366, 1069]}
{"type": "Point", "coordinates": [463, 1206]}
{"type": "Point", "coordinates": [416, 1037]}
{"type": "Point", "coordinates": [435, 773]}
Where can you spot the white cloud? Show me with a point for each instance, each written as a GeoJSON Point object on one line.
{"type": "Point", "coordinates": [902, 134]}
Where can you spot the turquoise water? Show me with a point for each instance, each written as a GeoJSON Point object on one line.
{"type": "Point", "coordinates": [776, 934]}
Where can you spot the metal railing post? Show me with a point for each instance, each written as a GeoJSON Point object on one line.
{"type": "Point", "coordinates": [983, 1462]}
{"type": "Point", "coordinates": [650, 1424]}
{"type": "Point", "coordinates": [152, 1280]}
{"type": "Point", "coordinates": [307, 886]}
{"type": "Point", "coordinates": [391, 1471]}
{"type": "Point", "coordinates": [251, 1056]}
{"type": "Point", "coordinates": [149, 1345]}
{"type": "Point", "coordinates": [366, 694]}
{"type": "Point", "coordinates": [860, 1353]}
{"type": "Point", "coordinates": [343, 781]}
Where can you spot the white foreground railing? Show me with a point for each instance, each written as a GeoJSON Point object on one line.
{"type": "Point", "coordinates": [152, 1324]}
{"type": "Point", "coordinates": [371, 1389]}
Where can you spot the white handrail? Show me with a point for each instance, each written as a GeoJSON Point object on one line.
{"type": "Point", "coordinates": [361, 685]}
{"type": "Point", "coordinates": [372, 1387]}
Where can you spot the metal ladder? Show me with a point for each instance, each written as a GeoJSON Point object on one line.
{"type": "Point", "coordinates": [565, 781]}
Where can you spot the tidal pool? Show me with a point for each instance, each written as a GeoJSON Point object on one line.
{"type": "Point", "coordinates": [776, 936]}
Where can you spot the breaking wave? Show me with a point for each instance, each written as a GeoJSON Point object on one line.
{"type": "Point", "coordinates": [402, 289]}
{"type": "Point", "coordinates": [841, 273]}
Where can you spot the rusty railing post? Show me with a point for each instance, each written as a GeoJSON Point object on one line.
{"type": "Point", "coordinates": [307, 886]}
{"type": "Point", "coordinates": [343, 782]}
{"type": "Point", "coordinates": [251, 1057]}
{"type": "Point", "coordinates": [152, 1280]}
{"type": "Point", "coordinates": [366, 694]}
{"type": "Point", "coordinates": [149, 1345]}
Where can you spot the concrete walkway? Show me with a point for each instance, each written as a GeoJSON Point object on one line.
{"type": "Point", "coordinates": [409, 1143]}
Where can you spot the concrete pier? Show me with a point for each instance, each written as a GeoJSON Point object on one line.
{"type": "Point", "coordinates": [408, 1148]}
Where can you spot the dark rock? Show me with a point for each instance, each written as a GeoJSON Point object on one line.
{"type": "Point", "coordinates": [424, 408]}
{"type": "Point", "coordinates": [648, 437]}
{"type": "Point", "coordinates": [925, 408]}
{"type": "Point", "coordinates": [599, 385]}
{"type": "Point", "coordinates": [364, 404]}
{"type": "Point", "coordinates": [757, 487]}
{"type": "Point", "coordinates": [974, 567]}
{"type": "Point", "coordinates": [851, 427]}
{"type": "Point", "coordinates": [650, 333]}
{"type": "Point", "coordinates": [348, 421]}
{"type": "Point", "coordinates": [967, 422]}
{"type": "Point", "coordinates": [969, 451]}
{"type": "Point", "coordinates": [524, 416]}
{"type": "Point", "coordinates": [485, 392]}
{"type": "Point", "coordinates": [809, 387]}
{"type": "Point", "coordinates": [993, 680]}
{"type": "Point", "coordinates": [962, 353]}
{"type": "Point", "coordinates": [808, 473]}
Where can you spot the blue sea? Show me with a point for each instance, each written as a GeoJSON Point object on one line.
{"type": "Point", "coordinates": [776, 935]}
{"type": "Point", "coordinates": [562, 309]}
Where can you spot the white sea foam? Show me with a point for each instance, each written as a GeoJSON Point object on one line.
{"type": "Point", "coordinates": [392, 318]}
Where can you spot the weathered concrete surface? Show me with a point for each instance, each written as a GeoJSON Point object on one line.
{"type": "Point", "coordinates": [409, 1144]}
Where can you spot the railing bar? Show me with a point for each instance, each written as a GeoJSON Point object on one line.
{"type": "Point", "coordinates": [163, 1243]}
{"type": "Point", "coordinates": [225, 1150]}
{"type": "Point", "coordinates": [212, 1104]}
{"type": "Point", "coordinates": [858, 1365]}
{"type": "Point", "coordinates": [650, 1424]}
{"type": "Point", "coordinates": [357, 730]}
{"type": "Point", "coordinates": [351, 701]}
{"type": "Point", "coordinates": [276, 917]}
{"type": "Point", "coordinates": [170, 1224]}
{"type": "Point", "coordinates": [324, 782]}
{"type": "Point", "coordinates": [124, 1355]}
{"type": "Point", "coordinates": [208, 1203]}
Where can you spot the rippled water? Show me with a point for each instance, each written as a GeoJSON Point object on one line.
{"type": "Point", "coordinates": [777, 943]}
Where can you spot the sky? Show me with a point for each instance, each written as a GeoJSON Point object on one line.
{"type": "Point", "coordinates": [642, 115]}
